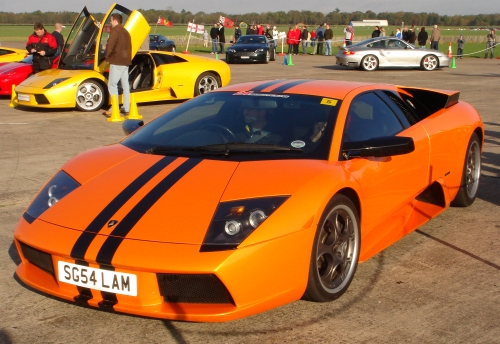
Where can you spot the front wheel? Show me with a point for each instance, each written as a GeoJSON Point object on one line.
{"type": "Point", "coordinates": [90, 96]}
{"type": "Point", "coordinates": [369, 63]}
{"type": "Point", "coordinates": [429, 62]}
{"type": "Point", "coordinates": [268, 57]}
{"type": "Point", "coordinates": [173, 49]}
{"type": "Point", "coordinates": [273, 55]}
{"type": "Point", "coordinates": [470, 174]}
{"type": "Point", "coordinates": [335, 251]}
{"type": "Point", "coordinates": [205, 83]}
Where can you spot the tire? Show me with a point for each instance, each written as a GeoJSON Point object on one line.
{"type": "Point", "coordinates": [268, 57]}
{"type": "Point", "coordinates": [429, 62]}
{"type": "Point", "coordinates": [273, 55]}
{"type": "Point", "coordinates": [205, 83]}
{"type": "Point", "coordinates": [335, 251]}
{"type": "Point", "coordinates": [471, 174]}
{"type": "Point", "coordinates": [90, 96]}
{"type": "Point", "coordinates": [173, 49]}
{"type": "Point", "coordinates": [369, 63]}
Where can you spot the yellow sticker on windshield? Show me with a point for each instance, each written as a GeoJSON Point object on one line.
{"type": "Point", "coordinates": [329, 101]}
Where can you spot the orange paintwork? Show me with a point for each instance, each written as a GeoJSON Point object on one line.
{"type": "Point", "coordinates": [270, 267]}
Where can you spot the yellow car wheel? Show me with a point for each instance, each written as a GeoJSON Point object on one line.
{"type": "Point", "coordinates": [205, 83]}
{"type": "Point", "coordinates": [90, 96]}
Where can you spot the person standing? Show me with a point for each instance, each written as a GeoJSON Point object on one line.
{"type": "Point", "coordinates": [422, 38]}
{"type": "Point", "coordinates": [348, 31]}
{"type": "Point", "coordinates": [460, 49]}
{"type": "Point", "coordinates": [260, 29]}
{"type": "Point", "coordinates": [411, 36]}
{"type": "Point", "coordinates": [237, 33]}
{"type": "Point", "coordinates": [297, 38]}
{"type": "Point", "coordinates": [43, 46]}
{"type": "Point", "coordinates": [382, 32]}
{"type": "Point", "coordinates": [313, 41]}
{"type": "Point", "coordinates": [435, 37]}
{"type": "Point", "coordinates": [118, 54]}
{"type": "Point", "coordinates": [290, 40]}
{"type": "Point", "coordinates": [490, 44]}
{"type": "Point", "coordinates": [214, 35]}
{"type": "Point", "coordinates": [59, 38]}
{"type": "Point", "coordinates": [398, 33]}
{"type": "Point", "coordinates": [205, 38]}
{"type": "Point", "coordinates": [376, 32]}
{"type": "Point", "coordinates": [328, 40]}
{"type": "Point", "coordinates": [222, 38]}
{"type": "Point", "coordinates": [304, 37]}
{"type": "Point", "coordinates": [275, 35]}
{"type": "Point", "coordinates": [320, 36]}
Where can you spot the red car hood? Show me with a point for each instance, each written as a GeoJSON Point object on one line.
{"type": "Point", "coordinates": [9, 66]}
{"type": "Point", "coordinates": [164, 199]}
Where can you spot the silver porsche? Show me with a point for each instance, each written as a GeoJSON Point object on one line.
{"type": "Point", "coordinates": [390, 52]}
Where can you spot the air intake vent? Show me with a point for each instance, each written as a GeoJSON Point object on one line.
{"type": "Point", "coordinates": [190, 288]}
{"type": "Point", "coordinates": [38, 258]}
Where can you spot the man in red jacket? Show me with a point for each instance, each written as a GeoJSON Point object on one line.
{"type": "Point", "coordinates": [119, 56]}
{"type": "Point", "coordinates": [43, 46]}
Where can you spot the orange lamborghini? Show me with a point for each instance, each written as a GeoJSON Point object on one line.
{"type": "Point", "coordinates": [249, 197]}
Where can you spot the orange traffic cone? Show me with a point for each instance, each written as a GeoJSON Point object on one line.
{"type": "Point", "coordinates": [13, 97]}
{"type": "Point", "coordinates": [449, 51]}
{"type": "Point", "coordinates": [133, 114]}
{"type": "Point", "coordinates": [115, 110]}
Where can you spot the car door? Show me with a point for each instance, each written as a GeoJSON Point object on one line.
{"type": "Point", "coordinates": [388, 184]}
{"type": "Point", "coordinates": [133, 21]}
{"type": "Point", "coordinates": [398, 53]}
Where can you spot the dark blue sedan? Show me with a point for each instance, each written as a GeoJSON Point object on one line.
{"type": "Point", "coordinates": [160, 42]}
{"type": "Point", "coordinates": [251, 48]}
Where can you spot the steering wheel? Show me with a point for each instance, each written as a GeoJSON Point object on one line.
{"type": "Point", "coordinates": [222, 130]}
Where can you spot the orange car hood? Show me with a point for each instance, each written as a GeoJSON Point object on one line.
{"type": "Point", "coordinates": [176, 202]}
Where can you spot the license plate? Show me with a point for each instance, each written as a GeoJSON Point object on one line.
{"type": "Point", "coordinates": [245, 57]}
{"type": "Point", "coordinates": [23, 97]}
{"type": "Point", "coordinates": [104, 280]}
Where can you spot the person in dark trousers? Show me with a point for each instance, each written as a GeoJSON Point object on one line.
{"type": "Point", "coordinates": [304, 36]}
{"type": "Point", "coordinates": [59, 38]}
{"type": "Point", "coordinates": [435, 37]}
{"type": "Point", "coordinates": [460, 49]}
{"type": "Point", "coordinates": [118, 54]}
{"type": "Point", "coordinates": [320, 37]}
{"type": "Point", "coordinates": [490, 44]}
{"type": "Point", "coordinates": [222, 38]}
{"type": "Point", "coordinates": [43, 46]}
{"type": "Point", "coordinates": [422, 37]}
{"type": "Point", "coordinates": [237, 33]}
{"type": "Point", "coordinates": [214, 35]}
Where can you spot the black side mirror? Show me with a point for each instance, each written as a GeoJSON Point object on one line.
{"type": "Point", "coordinates": [131, 125]}
{"type": "Point", "coordinates": [378, 147]}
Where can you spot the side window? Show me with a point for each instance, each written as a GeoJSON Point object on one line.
{"type": "Point", "coordinates": [370, 117]}
{"type": "Point", "coordinates": [161, 59]}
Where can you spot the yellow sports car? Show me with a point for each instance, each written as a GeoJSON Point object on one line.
{"type": "Point", "coordinates": [12, 54]}
{"type": "Point", "coordinates": [80, 79]}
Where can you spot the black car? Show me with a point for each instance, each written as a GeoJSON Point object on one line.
{"type": "Point", "coordinates": [251, 48]}
{"type": "Point", "coordinates": [160, 42]}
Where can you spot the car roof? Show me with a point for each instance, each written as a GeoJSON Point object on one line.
{"type": "Point", "coordinates": [323, 88]}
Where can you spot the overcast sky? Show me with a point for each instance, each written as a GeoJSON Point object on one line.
{"type": "Point", "coordinates": [449, 7]}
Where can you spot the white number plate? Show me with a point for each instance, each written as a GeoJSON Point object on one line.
{"type": "Point", "coordinates": [23, 97]}
{"type": "Point", "coordinates": [110, 281]}
{"type": "Point", "coordinates": [245, 57]}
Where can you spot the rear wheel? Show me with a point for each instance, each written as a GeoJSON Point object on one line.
{"type": "Point", "coordinates": [90, 96]}
{"type": "Point", "coordinates": [205, 83]}
{"type": "Point", "coordinates": [335, 251]}
{"type": "Point", "coordinates": [470, 174]}
{"type": "Point", "coordinates": [369, 63]}
{"type": "Point", "coordinates": [429, 62]}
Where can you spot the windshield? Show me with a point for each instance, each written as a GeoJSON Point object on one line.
{"type": "Point", "coordinates": [242, 126]}
{"type": "Point", "coordinates": [251, 39]}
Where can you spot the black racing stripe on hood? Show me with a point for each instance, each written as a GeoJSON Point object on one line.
{"type": "Point", "coordinates": [289, 85]}
{"type": "Point", "coordinates": [266, 85]}
{"type": "Point", "coordinates": [83, 242]}
{"type": "Point", "coordinates": [113, 241]}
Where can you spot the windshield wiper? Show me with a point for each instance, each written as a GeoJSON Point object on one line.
{"type": "Point", "coordinates": [225, 149]}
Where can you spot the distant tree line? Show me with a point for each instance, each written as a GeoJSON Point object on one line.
{"type": "Point", "coordinates": [336, 17]}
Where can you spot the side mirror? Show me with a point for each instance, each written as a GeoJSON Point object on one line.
{"type": "Point", "coordinates": [131, 125]}
{"type": "Point", "coordinates": [378, 147]}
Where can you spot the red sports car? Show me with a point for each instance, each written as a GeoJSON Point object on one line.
{"type": "Point", "coordinates": [13, 73]}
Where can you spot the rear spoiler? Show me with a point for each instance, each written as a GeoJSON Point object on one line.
{"type": "Point", "coordinates": [434, 100]}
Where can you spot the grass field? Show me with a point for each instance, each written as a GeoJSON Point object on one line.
{"type": "Point", "coordinates": [475, 39]}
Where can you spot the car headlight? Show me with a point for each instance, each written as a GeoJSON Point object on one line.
{"type": "Point", "coordinates": [234, 221]}
{"type": "Point", "coordinates": [55, 82]}
{"type": "Point", "coordinates": [231, 50]}
{"type": "Point", "coordinates": [58, 187]}
{"type": "Point", "coordinates": [259, 50]}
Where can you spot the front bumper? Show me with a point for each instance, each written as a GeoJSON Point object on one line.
{"type": "Point", "coordinates": [246, 57]}
{"type": "Point", "coordinates": [56, 97]}
{"type": "Point", "coordinates": [257, 278]}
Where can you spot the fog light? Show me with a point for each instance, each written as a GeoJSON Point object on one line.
{"type": "Point", "coordinates": [256, 218]}
{"type": "Point", "coordinates": [232, 227]}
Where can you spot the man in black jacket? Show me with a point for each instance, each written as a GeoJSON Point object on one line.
{"type": "Point", "coordinates": [304, 36]}
{"type": "Point", "coordinates": [214, 35]}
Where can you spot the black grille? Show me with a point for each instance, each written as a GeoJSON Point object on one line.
{"type": "Point", "coordinates": [38, 258]}
{"type": "Point", "coordinates": [433, 195]}
{"type": "Point", "coordinates": [41, 99]}
{"type": "Point", "coordinates": [245, 53]}
{"type": "Point", "coordinates": [193, 289]}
